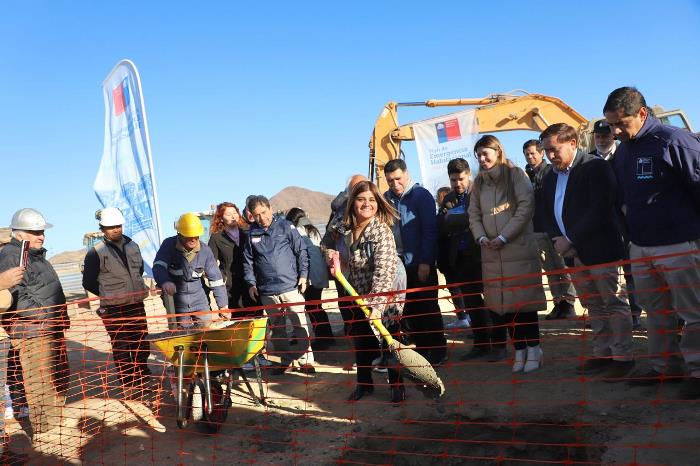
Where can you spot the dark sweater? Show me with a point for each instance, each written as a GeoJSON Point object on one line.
{"type": "Point", "coordinates": [659, 176]}
{"type": "Point", "coordinates": [537, 176]}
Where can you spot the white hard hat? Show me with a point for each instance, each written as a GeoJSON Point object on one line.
{"type": "Point", "coordinates": [30, 220]}
{"type": "Point", "coordinates": [111, 217]}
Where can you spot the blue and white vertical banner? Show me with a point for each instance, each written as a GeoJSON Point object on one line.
{"type": "Point", "coordinates": [125, 178]}
{"type": "Point", "coordinates": [442, 139]}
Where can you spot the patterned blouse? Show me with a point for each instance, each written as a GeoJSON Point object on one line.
{"type": "Point", "coordinates": [373, 263]}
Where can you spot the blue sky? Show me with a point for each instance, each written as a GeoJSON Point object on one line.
{"type": "Point", "coordinates": [250, 97]}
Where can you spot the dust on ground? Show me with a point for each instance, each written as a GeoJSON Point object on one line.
{"type": "Point", "coordinates": [487, 416]}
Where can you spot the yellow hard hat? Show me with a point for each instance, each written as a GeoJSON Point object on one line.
{"type": "Point", "coordinates": [189, 225]}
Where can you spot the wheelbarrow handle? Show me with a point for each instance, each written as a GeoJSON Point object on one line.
{"type": "Point", "coordinates": [180, 383]}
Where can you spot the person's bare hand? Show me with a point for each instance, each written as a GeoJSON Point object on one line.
{"type": "Point", "coordinates": [423, 272]}
{"type": "Point", "coordinates": [561, 244]}
{"type": "Point", "coordinates": [169, 288]}
{"type": "Point", "coordinates": [496, 244]}
{"type": "Point", "coordinates": [253, 292]}
{"type": "Point", "coordinates": [302, 285]}
{"type": "Point", "coordinates": [11, 277]}
{"type": "Point", "coordinates": [330, 255]}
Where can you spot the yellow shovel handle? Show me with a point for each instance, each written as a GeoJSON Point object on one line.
{"type": "Point", "coordinates": [361, 302]}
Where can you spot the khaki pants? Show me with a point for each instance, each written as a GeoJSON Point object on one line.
{"type": "Point", "coordinates": [667, 289]}
{"type": "Point", "coordinates": [45, 371]}
{"type": "Point", "coordinates": [559, 284]}
{"type": "Point", "coordinates": [611, 319]}
{"type": "Point", "coordinates": [277, 317]}
{"type": "Point", "coordinates": [4, 349]}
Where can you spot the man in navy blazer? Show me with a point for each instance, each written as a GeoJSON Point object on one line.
{"type": "Point", "coordinates": [580, 193]}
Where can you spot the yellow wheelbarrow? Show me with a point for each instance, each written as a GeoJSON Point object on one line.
{"type": "Point", "coordinates": [206, 362]}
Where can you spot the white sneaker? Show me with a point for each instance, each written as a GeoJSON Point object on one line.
{"type": "Point", "coordinates": [519, 363]}
{"type": "Point", "coordinates": [459, 324]}
{"type": "Point", "coordinates": [534, 359]}
{"type": "Point", "coordinates": [9, 412]}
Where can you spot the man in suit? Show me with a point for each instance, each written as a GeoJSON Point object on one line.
{"type": "Point", "coordinates": [580, 194]}
{"type": "Point", "coordinates": [563, 293]}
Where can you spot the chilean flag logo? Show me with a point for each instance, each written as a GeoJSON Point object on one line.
{"type": "Point", "coordinates": [120, 96]}
{"type": "Point", "coordinates": [448, 130]}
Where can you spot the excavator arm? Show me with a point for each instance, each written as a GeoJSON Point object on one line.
{"type": "Point", "coordinates": [495, 113]}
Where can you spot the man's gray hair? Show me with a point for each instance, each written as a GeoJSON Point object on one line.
{"type": "Point", "coordinates": [255, 200]}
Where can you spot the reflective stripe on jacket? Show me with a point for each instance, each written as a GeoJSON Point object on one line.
{"type": "Point", "coordinates": [171, 266]}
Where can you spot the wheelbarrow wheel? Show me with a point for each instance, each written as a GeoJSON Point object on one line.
{"type": "Point", "coordinates": [219, 412]}
{"type": "Point", "coordinates": [196, 399]}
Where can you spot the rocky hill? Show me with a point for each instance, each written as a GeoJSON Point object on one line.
{"type": "Point", "coordinates": [316, 205]}
{"type": "Point", "coordinates": [68, 257]}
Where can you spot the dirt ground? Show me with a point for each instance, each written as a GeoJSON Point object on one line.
{"type": "Point", "coordinates": [487, 416]}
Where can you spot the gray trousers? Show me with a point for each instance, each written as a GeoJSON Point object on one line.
{"type": "Point", "coordinates": [601, 292]}
{"type": "Point", "coordinates": [559, 284]}
{"type": "Point", "coordinates": [278, 315]}
{"type": "Point", "coordinates": [667, 289]}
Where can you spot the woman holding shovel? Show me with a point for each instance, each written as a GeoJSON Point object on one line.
{"type": "Point", "coordinates": [374, 267]}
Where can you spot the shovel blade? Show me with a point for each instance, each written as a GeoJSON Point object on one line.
{"type": "Point", "coordinates": [418, 368]}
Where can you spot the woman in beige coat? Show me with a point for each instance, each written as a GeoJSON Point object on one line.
{"type": "Point", "coordinates": [500, 218]}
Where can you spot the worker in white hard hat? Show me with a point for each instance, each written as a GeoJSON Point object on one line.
{"type": "Point", "coordinates": [36, 321]}
{"type": "Point", "coordinates": [113, 270]}
{"type": "Point", "coordinates": [180, 266]}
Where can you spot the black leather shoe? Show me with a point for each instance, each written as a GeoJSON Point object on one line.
{"type": "Point", "coordinates": [554, 313]}
{"type": "Point", "coordinates": [650, 377]}
{"type": "Point", "coordinates": [476, 352]}
{"type": "Point", "coordinates": [497, 354]}
{"type": "Point", "coordinates": [360, 391]}
{"type": "Point", "coordinates": [690, 390]}
{"type": "Point", "coordinates": [595, 366]}
{"type": "Point", "coordinates": [566, 310]}
{"type": "Point", "coordinates": [398, 394]}
{"type": "Point", "coordinates": [618, 371]}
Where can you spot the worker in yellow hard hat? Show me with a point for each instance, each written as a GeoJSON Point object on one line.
{"type": "Point", "coordinates": [181, 264]}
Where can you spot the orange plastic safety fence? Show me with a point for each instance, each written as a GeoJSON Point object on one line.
{"type": "Point", "coordinates": [102, 386]}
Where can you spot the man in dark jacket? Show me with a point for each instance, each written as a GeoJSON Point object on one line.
{"type": "Point", "coordinates": [113, 270]}
{"type": "Point", "coordinates": [563, 292]}
{"type": "Point", "coordinates": [180, 266]}
{"type": "Point", "coordinates": [580, 194]}
{"type": "Point", "coordinates": [658, 168]}
{"type": "Point", "coordinates": [276, 267]}
{"type": "Point", "coordinates": [416, 238]}
{"type": "Point", "coordinates": [36, 321]}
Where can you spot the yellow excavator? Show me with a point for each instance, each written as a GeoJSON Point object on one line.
{"type": "Point", "coordinates": [494, 113]}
